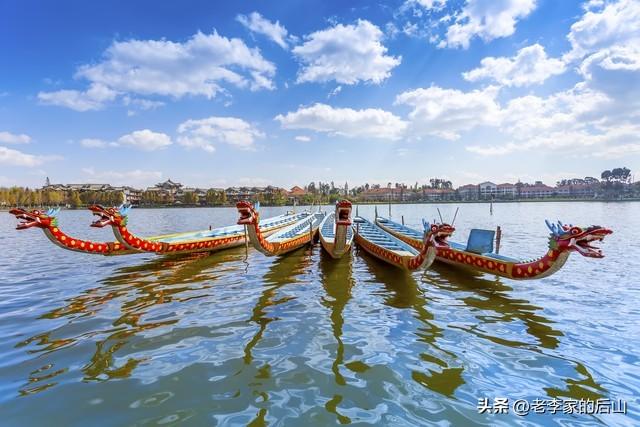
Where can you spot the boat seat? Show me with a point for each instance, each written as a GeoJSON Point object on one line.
{"type": "Point", "coordinates": [480, 241]}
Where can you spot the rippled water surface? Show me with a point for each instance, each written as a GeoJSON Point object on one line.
{"type": "Point", "coordinates": [302, 339]}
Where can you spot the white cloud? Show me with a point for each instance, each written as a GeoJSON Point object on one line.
{"type": "Point", "coordinates": [530, 65]}
{"type": "Point", "coordinates": [205, 133]}
{"type": "Point", "coordinates": [347, 54]}
{"type": "Point", "coordinates": [428, 4]}
{"type": "Point", "coordinates": [93, 143]}
{"type": "Point", "coordinates": [135, 177]}
{"type": "Point", "coordinates": [367, 123]}
{"type": "Point", "coordinates": [93, 98]}
{"type": "Point", "coordinates": [201, 66]}
{"type": "Point", "coordinates": [605, 25]}
{"type": "Point", "coordinates": [302, 138]}
{"type": "Point", "coordinates": [13, 138]}
{"type": "Point", "coordinates": [447, 112]}
{"type": "Point", "coordinates": [487, 19]}
{"type": "Point", "coordinates": [258, 24]}
{"type": "Point", "coordinates": [12, 157]}
{"type": "Point", "coordinates": [145, 140]}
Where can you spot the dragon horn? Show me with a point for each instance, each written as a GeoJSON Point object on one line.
{"type": "Point", "coordinates": [551, 227]}
{"type": "Point", "coordinates": [53, 212]}
{"type": "Point", "coordinates": [425, 224]}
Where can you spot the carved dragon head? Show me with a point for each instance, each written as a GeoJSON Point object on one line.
{"type": "Point", "coordinates": [110, 216]}
{"type": "Point", "coordinates": [248, 213]}
{"type": "Point", "coordinates": [579, 239]}
{"type": "Point", "coordinates": [438, 232]}
{"type": "Point", "coordinates": [343, 212]}
{"type": "Point", "coordinates": [35, 218]}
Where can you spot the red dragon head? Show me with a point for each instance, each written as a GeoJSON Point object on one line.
{"type": "Point", "coordinates": [110, 216]}
{"type": "Point", "coordinates": [438, 232]}
{"type": "Point", "coordinates": [343, 212]}
{"type": "Point", "coordinates": [579, 239]}
{"type": "Point", "coordinates": [35, 218]}
{"type": "Point", "coordinates": [248, 213]}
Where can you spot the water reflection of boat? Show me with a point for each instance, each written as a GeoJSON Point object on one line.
{"type": "Point", "coordinates": [443, 372]}
{"type": "Point", "coordinates": [138, 288]}
{"type": "Point", "coordinates": [478, 254]}
{"type": "Point", "coordinates": [492, 296]}
{"type": "Point", "coordinates": [335, 231]}
{"type": "Point", "coordinates": [285, 240]}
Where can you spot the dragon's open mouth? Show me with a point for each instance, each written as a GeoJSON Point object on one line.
{"type": "Point", "coordinates": [28, 220]}
{"type": "Point", "coordinates": [102, 221]}
{"type": "Point", "coordinates": [103, 218]}
{"type": "Point", "coordinates": [246, 213]}
{"type": "Point", "coordinates": [343, 216]}
{"type": "Point", "coordinates": [586, 248]}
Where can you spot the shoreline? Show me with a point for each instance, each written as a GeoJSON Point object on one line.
{"type": "Point", "coordinates": [422, 202]}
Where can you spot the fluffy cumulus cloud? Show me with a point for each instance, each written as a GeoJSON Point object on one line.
{"type": "Point", "coordinates": [446, 113]}
{"type": "Point", "coordinates": [206, 133]}
{"type": "Point", "coordinates": [347, 122]}
{"type": "Point", "coordinates": [202, 66]}
{"type": "Point", "coordinates": [604, 25]}
{"type": "Point", "coordinates": [13, 138]}
{"type": "Point", "coordinates": [256, 23]}
{"type": "Point", "coordinates": [347, 54]}
{"type": "Point", "coordinates": [11, 157]}
{"type": "Point", "coordinates": [93, 98]}
{"type": "Point", "coordinates": [530, 65]}
{"type": "Point", "coordinates": [145, 140]}
{"type": "Point", "coordinates": [487, 19]}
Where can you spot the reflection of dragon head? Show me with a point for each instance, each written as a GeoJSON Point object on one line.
{"type": "Point", "coordinates": [438, 232]}
{"type": "Point", "coordinates": [573, 238]}
{"type": "Point", "coordinates": [248, 213]}
{"type": "Point", "coordinates": [110, 216]}
{"type": "Point", "coordinates": [343, 212]}
{"type": "Point", "coordinates": [35, 218]}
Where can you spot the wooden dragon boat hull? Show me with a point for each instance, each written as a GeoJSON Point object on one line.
{"type": "Point", "coordinates": [203, 241]}
{"type": "Point", "coordinates": [336, 233]}
{"type": "Point", "coordinates": [384, 246]}
{"type": "Point", "coordinates": [48, 223]}
{"type": "Point", "coordinates": [288, 239]}
{"type": "Point", "coordinates": [457, 255]}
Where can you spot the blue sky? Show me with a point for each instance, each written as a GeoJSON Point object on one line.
{"type": "Point", "coordinates": [288, 92]}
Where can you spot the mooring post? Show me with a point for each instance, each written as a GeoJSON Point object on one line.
{"type": "Point", "coordinates": [402, 219]}
{"type": "Point", "coordinates": [498, 239]}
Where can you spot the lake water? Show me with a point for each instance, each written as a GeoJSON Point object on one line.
{"type": "Point", "coordinates": [306, 340]}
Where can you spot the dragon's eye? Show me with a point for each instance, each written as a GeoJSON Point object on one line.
{"type": "Point", "coordinates": [575, 230]}
{"type": "Point", "coordinates": [434, 228]}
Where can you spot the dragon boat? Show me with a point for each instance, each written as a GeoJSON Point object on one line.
{"type": "Point", "coordinates": [285, 240]}
{"type": "Point", "coordinates": [335, 232]}
{"type": "Point", "coordinates": [188, 242]}
{"type": "Point", "coordinates": [48, 223]}
{"type": "Point", "coordinates": [388, 248]}
{"type": "Point", "coordinates": [478, 254]}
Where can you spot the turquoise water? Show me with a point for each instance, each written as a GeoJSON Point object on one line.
{"type": "Point", "coordinates": [231, 339]}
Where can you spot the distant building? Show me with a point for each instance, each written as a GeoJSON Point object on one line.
{"type": "Point", "coordinates": [469, 191]}
{"type": "Point", "coordinates": [382, 195]}
{"type": "Point", "coordinates": [506, 190]}
{"type": "Point", "coordinates": [537, 191]}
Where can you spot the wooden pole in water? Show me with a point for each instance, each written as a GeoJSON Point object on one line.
{"type": "Point", "coordinates": [498, 239]}
{"type": "Point", "coordinates": [402, 219]}
{"type": "Point", "coordinates": [455, 215]}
